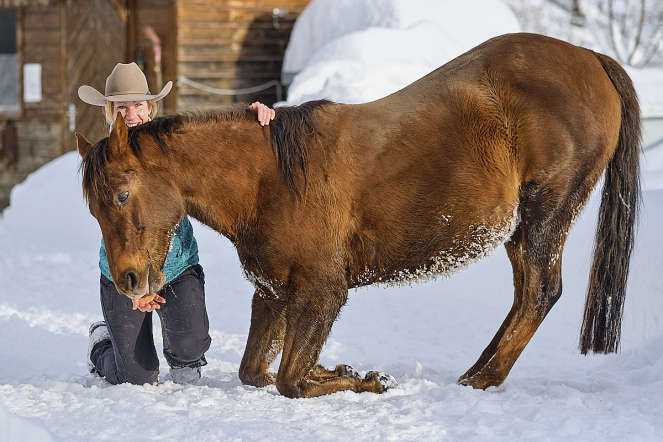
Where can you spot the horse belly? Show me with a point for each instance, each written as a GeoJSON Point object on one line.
{"type": "Point", "coordinates": [456, 246]}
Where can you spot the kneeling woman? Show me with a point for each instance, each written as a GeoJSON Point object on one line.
{"type": "Point", "coordinates": [121, 347]}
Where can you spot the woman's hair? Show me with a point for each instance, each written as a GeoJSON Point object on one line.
{"type": "Point", "coordinates": [109, 108]}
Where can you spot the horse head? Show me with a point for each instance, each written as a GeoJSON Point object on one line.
{"type": "Point", "coordinates": [137, 206]}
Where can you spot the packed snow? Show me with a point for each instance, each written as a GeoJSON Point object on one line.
{"type": "Point", "coordinates": [426, 335]}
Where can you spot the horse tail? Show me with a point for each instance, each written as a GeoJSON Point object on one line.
{"type": "Point", "coordinates": [615, 234]}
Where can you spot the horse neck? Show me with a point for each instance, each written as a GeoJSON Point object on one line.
{"type": "Point", "coordinates": [218, 169]}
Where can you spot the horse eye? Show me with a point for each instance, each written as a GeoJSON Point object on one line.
{"type": "Point", "coordinates": [122, 197]}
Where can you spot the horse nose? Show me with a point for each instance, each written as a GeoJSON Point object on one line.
{"type": "Point", "coordinates": [132, 279]}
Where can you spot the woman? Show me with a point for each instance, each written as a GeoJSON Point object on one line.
{"type": "Point", "coordinates": [121, 347]}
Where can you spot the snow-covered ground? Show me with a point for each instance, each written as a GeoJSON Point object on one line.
{"type": "Point", "coordinates": [425, 335]}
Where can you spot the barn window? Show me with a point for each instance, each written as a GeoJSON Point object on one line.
{"type": "Point", "coordinates": [9, 86]}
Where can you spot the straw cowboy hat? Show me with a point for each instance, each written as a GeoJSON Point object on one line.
{"type": "Point", "coordinates": [126, 83]}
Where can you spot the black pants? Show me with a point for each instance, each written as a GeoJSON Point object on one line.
{"type": "Point", "coordinates": [130, 355]}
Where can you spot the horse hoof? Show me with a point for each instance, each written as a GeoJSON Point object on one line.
{"type": "Point", "coordinates": [479, 382]}
{"type": "Point", "coordinates": [347, 370]}
{"type": "Point", "coordinates": [386, 380]}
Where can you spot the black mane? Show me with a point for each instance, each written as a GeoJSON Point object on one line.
{"type": "Point", "coordinates": [289, 130]}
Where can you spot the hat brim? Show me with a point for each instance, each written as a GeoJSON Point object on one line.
{"type": "Point", "coordinates": [92, 96]}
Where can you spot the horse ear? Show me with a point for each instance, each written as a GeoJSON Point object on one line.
{"type": "Point", "coordinates": [118, 138]}
{"type": "Point", "coordinates": [83, 145]}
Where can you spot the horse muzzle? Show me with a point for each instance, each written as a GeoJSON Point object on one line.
{"type": "Point", "coordinates": [134, 285]}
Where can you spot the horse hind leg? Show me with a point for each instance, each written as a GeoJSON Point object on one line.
{"type": "Point", "coordinates": [535, 253]}
{"type": "Point", "coordinates": [515, 256]}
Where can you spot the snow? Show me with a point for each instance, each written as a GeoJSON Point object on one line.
{"type": "Point", "coordinates": [426, 335]}
{"type": "Point", "coordinates": [354, 51]}
{"type": "Point", "coordinates": [650, 84]}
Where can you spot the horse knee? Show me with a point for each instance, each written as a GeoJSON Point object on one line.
{"type": "Point", "coordinates": [290, 384]}
{"type": "Point", "coordinates": [255, 373]}
{"type": "Point", "coordinates": [255, 378]}
{"type": "Point", "coordinates": [246, 375]}
{"type": "Point", "coordinates": [288, 388]}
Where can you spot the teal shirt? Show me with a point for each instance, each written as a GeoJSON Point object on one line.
{"type": "Point", "coordinates": [182, 255]}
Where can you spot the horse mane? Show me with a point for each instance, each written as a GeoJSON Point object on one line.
{"type": "Point", "coordinates": [95, 178]}
{"type": "Point", "coordinates": [288, 131]}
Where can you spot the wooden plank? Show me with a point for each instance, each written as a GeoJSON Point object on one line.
{"type": "Point", "coordinates": [78, 26]}
{"type": "Point", "coordinates": [187, 58]}
{"type": "Point", "coordinates": [196, 72]}
{"type": "Point", "coordinates": [228, 36]}
{"type": "Point", "coordinates": [42, 21]}
{"type": "Point", "coordinates": [223, 83]}
{"type": "Point", "coordinates": [41, 54]}
{"type": "Point", "coordinates": [231, 45]}
{"type": "Point", "coordinates": [230, 15]}
{"type": "Point", "coordinates": [96, 43]}
{"type": "Point", "coordinates": [200, 102]}
{"type": "Point", "coordinates": [265, 22]}
{"type": "Point", "coordinates": [246, 5]}
{"type": "Point", "coordinates": [42, 37]}
{"type": "Point", "coordinates": [50, 84]}
{"type": "Point", "coordinates": [203, 103]}
{"type": "Point", "coordinates": [246, 50]}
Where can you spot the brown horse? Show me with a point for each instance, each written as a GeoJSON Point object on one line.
{"type": "Point", "coordinates": [501, 145]}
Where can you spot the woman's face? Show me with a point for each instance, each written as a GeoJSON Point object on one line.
{"type": "Point", "coordinates": [134, 112]}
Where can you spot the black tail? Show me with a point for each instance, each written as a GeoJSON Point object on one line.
{"type": "Point", "coordinates": [615, 234]}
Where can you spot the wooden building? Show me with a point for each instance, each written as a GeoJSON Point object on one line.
{"type": "Point", "coordinates": [215, 51]}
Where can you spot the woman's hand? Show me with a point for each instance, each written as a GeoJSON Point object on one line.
{"type": "Point", "coordinates": [148, 303]}
{"type": "Point", "coordinates": [265, 114]}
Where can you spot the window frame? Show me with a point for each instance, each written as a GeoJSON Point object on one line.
{"type": "Point", "coordinates": [14, 112]}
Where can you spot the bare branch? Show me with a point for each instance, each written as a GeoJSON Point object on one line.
{"type": "Point", "coordinates": [638, 36]}
{"type": "Point", "coordinates": [614, 31]}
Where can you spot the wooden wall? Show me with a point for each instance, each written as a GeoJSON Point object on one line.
{"type": "Point", "coordinates": [76, 42]}
{"type": "Point", "coordinates": [95, 42]}
{"type": "Point", "coordinates": [234, 44]}
{"type": "Point", "coordinates": [37, 131]}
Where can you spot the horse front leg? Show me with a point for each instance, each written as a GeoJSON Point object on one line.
{"type": "Point", "coordinates": [265, 340]}
{"type": "Point", "coordinates": [321, 373]}
{"type": "Point", "coordinates": [310, 316]}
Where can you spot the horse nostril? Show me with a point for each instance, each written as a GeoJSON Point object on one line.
{"type": "Point", "coordinates": [132, 279]}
